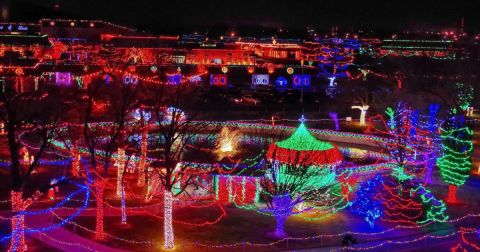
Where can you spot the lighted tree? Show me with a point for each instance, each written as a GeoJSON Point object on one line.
{"type": "Point", "coordinates": [433, 126]}
{"type": "Point", "coordinates": [464, 95]}
{"type": "Point", "coordinates": [405, 143]}
{"type": "Point", "coordinates": [403, 198]}
{"type": "Point", "coordinates": [406, 201]}
{"type": "Point", "coordinates": [36, 113]}
{"type": "Point", "coordinates": [174, 111]}
{"type": "Point", "coordinates": [365, 204]}
{"type": "Point", "coordinates": [107, 98]}
{"type": "Point", "coordinates": [334, 117]}
{"type": "Point", "coordinates": [363, 110]}
{"type": "Point", "coordinates": [298, 170]}
{"type": "Point", "coordinates": [456, 162]}
{"type": "Point", "coordinates": [409, 202]}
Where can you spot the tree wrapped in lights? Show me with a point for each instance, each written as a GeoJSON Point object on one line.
{"type": "Point", "coordinates": [363, 112]}
{"type": "Point", "coordinates": [432, 126]}
{"type": "Point", "coordinates": [95, 101]}
{"type": "Point", "coordinates": [37, 112]}
{"type": "Point", "coordinates": [391, 114]}
{"type": "Point", "coordinates": [391, 200]}
{"type": "Point", "coordinates": [464, 95]}
{"type": "Point", "coordinates": [400, 206]}
{"type": "Point", "coordinates": [334, 117]}
{"type": "Point", "coordinates": [403, 197]}
{"type": "Point", "coordinates": [406, 142]}
{"type": "Point", "coordinates": [120, 163]}
{"type": "Point", "coordinates": [366, 205]}
{"type": "Point", "coordinates": [456, 162]}
{"type": "Point", "coordinates": [75, 161]}
{"type": "Point", "coordinates": [298, 170]}
{"type": "Point", "coordinates": [176, 132]}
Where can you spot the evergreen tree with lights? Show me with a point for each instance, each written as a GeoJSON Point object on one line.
{"type": "Point", "coordinates": [456, 162]}
{"type": "Point", "coordinates": [365, 204]}
{"type": "Point", "coordinates": [403, 199]}
{"type": "Point", "coordinates": [464, 95]}
{"type": "Point", "coordinates": [398, 200]}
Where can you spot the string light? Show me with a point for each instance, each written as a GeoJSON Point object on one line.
{"type": "Point", "coordinates": [301, 145]}
{"type": "Point", "coordinates": [120, 163]}
{"type": "Point", "coordinates": [168, 227]}
{"type": "Point", "coordinates": [455, 163]}
{"type": "Point", "coordinates": [99, 227]}
{"type": "Point", "coordinates": [366, 204]}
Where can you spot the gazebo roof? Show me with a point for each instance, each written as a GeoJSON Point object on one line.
{"type": "Point", "coordinates": [302, 140]}
{"type": "Point", "coordinates": [302, 148]}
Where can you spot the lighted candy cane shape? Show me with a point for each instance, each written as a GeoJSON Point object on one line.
{"type": "Point", "coordinates": [391, 114]}
{"type": "Point", "coordinates": [334, 117]}
{"type": "Point", "coordinates": [120, 163]}
{"type": "Point", "coordinates": [363, 112]}
{"type": "Point", "coordinates": [18, 220]}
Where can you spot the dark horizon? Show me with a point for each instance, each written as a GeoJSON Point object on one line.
{"type": "Point", "coordinates": [190, 15]}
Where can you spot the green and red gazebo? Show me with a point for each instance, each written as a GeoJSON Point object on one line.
{"type": "Point", "coordinates": [302, 148]}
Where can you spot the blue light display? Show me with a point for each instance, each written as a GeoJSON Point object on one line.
{"type": "Point", "coordinates": [281, 83]}
{"type": "Point", "coordinates": [301, 80]}
{"type": "Point", "coordinates": [365, 204]}
{"type": "Point", "coordinates": [174, 79]}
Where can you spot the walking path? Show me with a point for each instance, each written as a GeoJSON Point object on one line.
{"type": "Point", "coordinates": [61, 238]}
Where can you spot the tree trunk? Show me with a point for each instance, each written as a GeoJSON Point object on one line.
{"type": "Point", "coordinates": [17, 243]}
{"type": "Point", "coordinates": [106, 165]}
{"type": "Point", "coordinates": [99, 232]}
{"type": "Point", "coordinates": [168, 227]}
{"type": "Point", "coordinates": [124, 210]}
{"type": "Point", "coordinates": [279, 230]}
{"type": "Point", "coordinates": [429, 163]}
{"type": "Point", "coordinates": [452, 194]}
{"type": "Point", "coordinates": [283, 207]}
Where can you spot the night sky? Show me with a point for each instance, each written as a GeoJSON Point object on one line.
{"type": "Point", "coordinates": [185, 15]}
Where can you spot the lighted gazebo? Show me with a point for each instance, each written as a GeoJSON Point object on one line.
{"type": "Point", "coordinates": [302, 148]}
